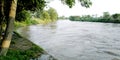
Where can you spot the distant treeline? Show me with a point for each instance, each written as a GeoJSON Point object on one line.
{"type": "Point", "coordinates": [114, 18]}
{"type": "Point", "coordinates": [63, 18]}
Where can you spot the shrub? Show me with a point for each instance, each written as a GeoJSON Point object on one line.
{"type": "Point", "coordinates": [23, 15]}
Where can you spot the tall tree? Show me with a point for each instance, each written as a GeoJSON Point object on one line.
{"type": "Point", "coordinates": [53, 14]}
{"type": "Point", "coordinates": [9, 29]}
{"type": "Point", "coordinates": [1, 17]}
{"type": "Point", "coordinates": [9, 10]}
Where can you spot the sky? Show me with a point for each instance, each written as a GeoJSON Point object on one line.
{"type": "Point", "coordinates": [97, 8]}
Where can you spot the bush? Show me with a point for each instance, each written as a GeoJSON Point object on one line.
{"type": "Point", "coordinates": [23, 15]}
{"type": "Point", "coordinates": [31, 22]}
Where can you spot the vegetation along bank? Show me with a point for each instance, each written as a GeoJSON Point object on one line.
{"type": "Point", "coordinates": [107, 18]}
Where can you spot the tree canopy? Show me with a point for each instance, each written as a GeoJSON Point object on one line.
{"type": "Point", "coordinates": [31, 4]}
{"type": "Point", "coordinates": [40, 4]}
{"type": "Point", "coordinates": [71, 3]}
{"type": "Point", "coordinates": [53, 14]}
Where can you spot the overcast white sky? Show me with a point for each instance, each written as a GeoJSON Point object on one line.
{"type": "Point", "coordinates": [98, 7]}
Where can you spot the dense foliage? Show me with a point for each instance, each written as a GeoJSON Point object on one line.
{"type": "Point", "coordinates": [71, 3]}
{"type": "Point", "coordinates": [23, 15]}
{"type": "Point", "coordinates": [53, 14]}
{"type": "Point", "coordinates": [26, 16]}
{"type": "Point", "coordinates": [30, 4]}
{"type": "Point", "coordinates": [44, 15]}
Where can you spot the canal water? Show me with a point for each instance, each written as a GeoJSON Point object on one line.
{"type": "Point", "coordinates": [74, 40]}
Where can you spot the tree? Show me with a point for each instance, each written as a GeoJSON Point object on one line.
{"type": "Point", "coordinates": [116, 17]}
{"type": "Point", "coordinates": [31, 5]}
{"type": "Point", "coordinates": [1, 17]}
{"type": "Point", "coordinates": [9, 29]}
{"type": "Point", "coordinates": [45, 15]}
{"type": "Point", "coordinates": [23, 15]}
{"type": "Point", "coordinates": [8, 13]}
{"type": "Point", "coordinates": [53, 14]}
{"type": "Point", "coordinates": [106, 15]}
{"type": "Point", "coordinates": [8, 9]}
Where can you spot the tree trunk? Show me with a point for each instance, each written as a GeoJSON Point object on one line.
{"type": "Point", "coordinates": [1, 18]}
{"type": "Point", "coordinates": [9, 29]}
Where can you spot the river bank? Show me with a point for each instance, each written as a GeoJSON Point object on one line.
{"type": "Point", "coordinates": [23, 49]}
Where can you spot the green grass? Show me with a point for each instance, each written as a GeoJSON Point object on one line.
{"type": "Point", "coordinates": [31, 22]}
{"type": "Point", "coordinates": [25, 23]}
{"type": "Point", "coordinates": [22, 49]}
{"type": "Point", "coordinates": [15, 54]}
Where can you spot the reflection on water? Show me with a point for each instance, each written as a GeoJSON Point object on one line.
{"type": "Point", "coordinates": [68, 40]}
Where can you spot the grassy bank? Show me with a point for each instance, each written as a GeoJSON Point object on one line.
{"type": "Point", "coordinates": [22, 49]}
{"type": "Point", "coordinates": [31, 22]}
